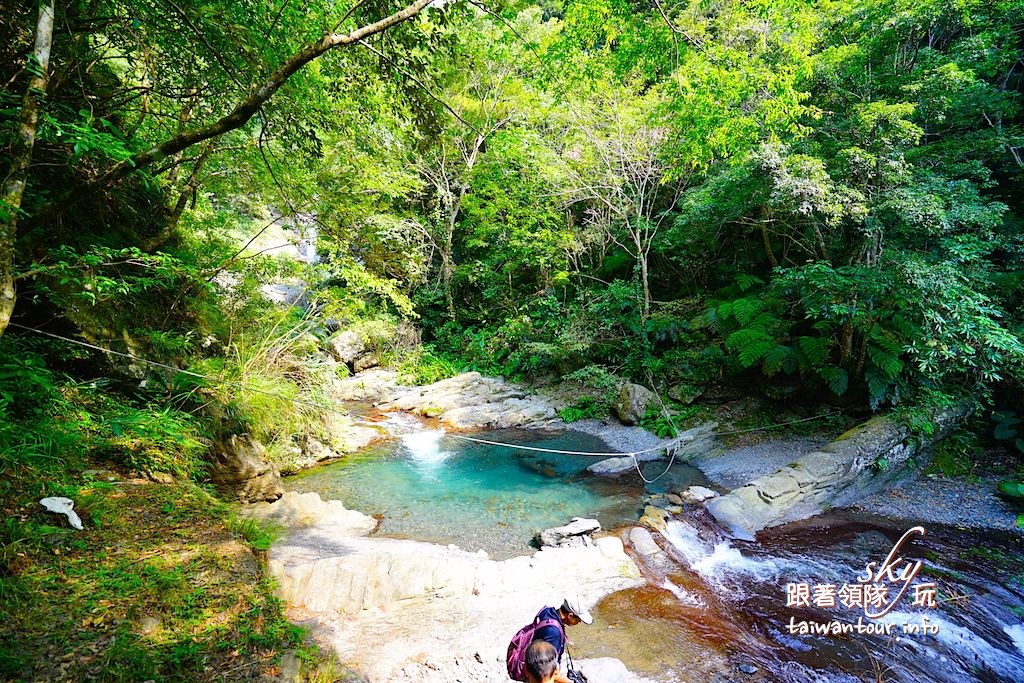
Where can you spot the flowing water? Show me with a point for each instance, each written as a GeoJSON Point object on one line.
{"type": "Point", "coordinates": [710, 603]}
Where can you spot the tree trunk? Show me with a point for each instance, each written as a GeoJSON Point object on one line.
{"type": "Point", "coordinates": [21, 158]}
{"type": "Point", "coordinates": [447, 257]}
{"type": "Point", "coordinates": [845, 342]}
{"type": "Point", "coordinates": [641, 259]}
{"type": "Point", "coordinates": [645, 281]}
{"type": "Point", "coordinates": [448, 262]}
{"type": "Point", "coordinates": [187, 191]}
{"type": "Point", "coordinates": [765, 219]}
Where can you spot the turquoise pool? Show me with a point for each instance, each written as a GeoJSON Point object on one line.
{"type": "Point", "coordinates": [433, 487]}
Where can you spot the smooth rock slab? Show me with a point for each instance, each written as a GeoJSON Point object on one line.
{"type": "Point", "coordinates": [401, 610]}
{"type": "Point", "coordinates": [472, 401]}
{"type": "Point", "coordinates": [689, 443]}
{"type": "Point", "coordinates": [839, 473]}
{"type": "Point", "coordinates": [642, 541]}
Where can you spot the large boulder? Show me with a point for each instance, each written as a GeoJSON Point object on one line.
{"type": "Point", "coordinates": [345, 346]}
{"type": "Point", "coordinates": [632, 403]}
{"type": "Point", "coordinates": [376, 384]}
{"type": "Point", "coordinates": [860, 462]}
{"type": "Point", "coordinates": [365, 362]}
{"type": "Point", "coordinates": [685, 393]}
{"type": "Point", "coordinates": [240, 469]}
{"type": "Point", "coordinates": [576, 534]}
{"type": "Point", "coordinates": [699, 439]}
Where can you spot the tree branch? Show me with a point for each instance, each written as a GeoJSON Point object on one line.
{"type": "Point", "coordinates": [242, 112]}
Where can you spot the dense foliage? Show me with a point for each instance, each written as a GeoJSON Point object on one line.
{"type": "Point", "coordinates": [818, 199]}
{"type": "Point", "coordinates": [812, 200]}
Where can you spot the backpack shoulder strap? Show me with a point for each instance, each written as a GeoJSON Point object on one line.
{"type": "Point", "coordinates": [539, 624]}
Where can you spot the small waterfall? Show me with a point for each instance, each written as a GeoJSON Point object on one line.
{"type": "Point", "coordinates": [399, 424]}
{"type": "Point", "coordinates": [424, 447]}
{"type": "Point", "coordinates": [716, 560]}
{"type": "Point", "coordinates": [424, 450]}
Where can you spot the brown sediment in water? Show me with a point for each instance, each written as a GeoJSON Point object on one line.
{"type": "Point", "coordinates": [648, 630]}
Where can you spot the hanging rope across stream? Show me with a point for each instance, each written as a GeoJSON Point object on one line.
{"type": "Point", "coordinates": [670, 447]}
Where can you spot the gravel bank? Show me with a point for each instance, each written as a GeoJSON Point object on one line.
{"type": "Point", "coordinates": [752, 457]}
{"type": "Point", "coordinates": [619, 437]}
{"type": "Point", "coordinates": [933, 499]}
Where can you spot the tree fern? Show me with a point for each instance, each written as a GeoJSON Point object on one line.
{"type": "Point", "coordinates": [782, 358]}
{"type": "Point", "coordinates": [885, 361]}
{"type": "Point", "coordinates": [750, 344]}
{"type": "Point", "coordinates": [815, 349]}
{"type": "Point", "coordinates": [837, 379]}
{"type": "Point", "coordinates": [746, 309]}
{"type": "Point", "coordinates": [878, 387]}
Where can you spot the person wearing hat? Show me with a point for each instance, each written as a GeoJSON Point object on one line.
{"type": "Point", "coordinates": [571, 612]}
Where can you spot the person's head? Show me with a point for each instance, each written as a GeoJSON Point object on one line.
{"type": "Point", "coordinates": [573, 612]}
{"type": "Point", "coordinates": [541, 661]}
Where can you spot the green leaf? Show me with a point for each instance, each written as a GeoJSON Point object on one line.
{"type": "Point", "coordinates": [779, 358]}
{"type": "Point", "coordinates": [885, 361]}
{"type": "Point", "coordinates": [837, 379]}
{"type": "Point", "coordinates": [815, 349]}
{"type": "Point", "coordinates": [1013, 489]}
{"type": "Point", "coordinates": [878, 385]}
{"type": "Point", "coordinates": [746, 281]}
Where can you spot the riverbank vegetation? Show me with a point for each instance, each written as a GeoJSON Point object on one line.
{"type": "Point", "coordinates": [814, 202]}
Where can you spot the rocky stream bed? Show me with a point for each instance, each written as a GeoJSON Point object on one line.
{"type": "Point", "coordinates": [676, 598]}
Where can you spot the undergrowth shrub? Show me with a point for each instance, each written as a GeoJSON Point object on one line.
{"type": "Point", "coordinates": [423, 365]}
{"type": "Point", "coordinates": [601, 387]}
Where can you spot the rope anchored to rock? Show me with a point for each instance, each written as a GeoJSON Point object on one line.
{"type": "Point", "coordinates": [671, 447]}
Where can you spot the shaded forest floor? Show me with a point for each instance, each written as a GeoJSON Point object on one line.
{"type": "Point", "coordinates": [161, 585]}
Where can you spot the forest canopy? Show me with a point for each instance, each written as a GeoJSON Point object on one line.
{"type": "Point", "coordinates": [821, 198]}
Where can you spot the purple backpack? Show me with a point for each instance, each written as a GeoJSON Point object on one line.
{"type": "Point", "coordinates": [515, 660]}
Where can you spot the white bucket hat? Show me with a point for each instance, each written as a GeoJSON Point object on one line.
{"type": "Point", "coordinates": [573, 603]}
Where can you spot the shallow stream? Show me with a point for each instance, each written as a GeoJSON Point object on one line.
{"type": "Point", "coordinates": [712, 609]}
